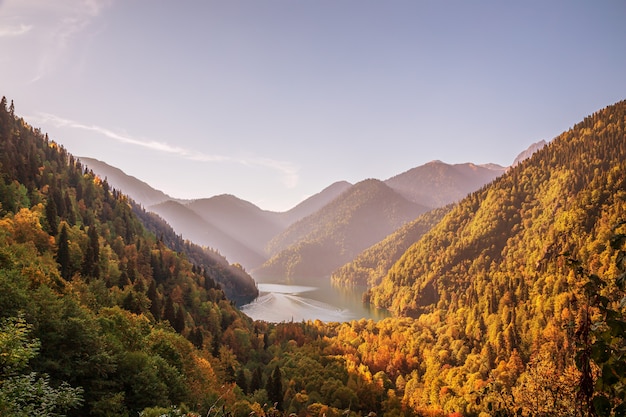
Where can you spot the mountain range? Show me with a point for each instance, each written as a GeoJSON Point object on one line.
{"type": "Point", "coordinates": [265, 241]}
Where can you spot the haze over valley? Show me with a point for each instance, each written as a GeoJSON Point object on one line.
{"type": "Point", "coordinates": [249, 235]}
{"type": "Point", "coordinates": [402, 208]}
{"type": "Point", "coordinates": [306, 244]}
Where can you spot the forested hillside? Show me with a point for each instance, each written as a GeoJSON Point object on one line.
{"type": "Point", "coordinates": [138, 190]}
{"type": "Point", "coordinates": [96, 312]}
{"type": "Point", "coordinates": [492, 280]}
{"type": "Point", "coordinates": [563, 199]}
{"type": "Point", "coordinates": [237, 229]}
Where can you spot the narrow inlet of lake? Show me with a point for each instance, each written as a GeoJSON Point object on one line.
{"type": "Point", "coordinates": [310, 300]}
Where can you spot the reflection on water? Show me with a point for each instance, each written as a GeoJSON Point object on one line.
{"type": "Point", "coordinates": [310, 300]}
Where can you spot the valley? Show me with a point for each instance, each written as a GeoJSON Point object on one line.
{"type": "Point", "coordinates": [315, 238]}
{"type": "Point", "coordinates": [493, 300]}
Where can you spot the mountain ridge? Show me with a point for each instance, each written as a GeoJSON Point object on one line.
{"type": "Point", "coordinates": [139, 190]}
{"type": "Point", "coordinates": [317, 244]}
{"type": "Point", "coordinates": [244, 232]}
{"type": "Point", "coordinates": [436, 183]}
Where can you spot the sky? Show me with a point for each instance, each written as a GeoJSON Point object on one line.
{"type": "Point", "coordinates": [273, 100]}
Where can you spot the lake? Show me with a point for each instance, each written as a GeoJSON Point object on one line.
{"type": "Point", "coordinates": [311, 300]}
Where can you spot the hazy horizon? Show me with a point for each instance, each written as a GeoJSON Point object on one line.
{"type": "Point", "coordinates": [273, 101]}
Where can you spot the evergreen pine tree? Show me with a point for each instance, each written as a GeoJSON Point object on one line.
{"type": "Point", "coordinates": [274, 388]}
{"type": "Point", "coordinates": [169, 313]}
{"type": "Point", "coordinates": [71, 216]}
{"type": "Point", "coordinates": [155, 303]}
{"type": "Point", "coordinates": [52, 217]}
{"type": "Point", "coordinates": [179, 320]}
{"type": "Point", "coordinates": [130, 303]}
{"type": "Point", "coordinates": [256, 382]}
{"type": "Point", "coordinates": [63, 254]}
{"type": "Point", "coordinates": [241, 380]}
{"type": "Point", "coordinates": [196, 337]}
{"type": "Point", "coordinates": [59, 202]}
{"type": "Point", "coordinates": [91, 264]}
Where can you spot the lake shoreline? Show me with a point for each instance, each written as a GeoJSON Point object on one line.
{"type": "Point", "coordinates": [310, 300]}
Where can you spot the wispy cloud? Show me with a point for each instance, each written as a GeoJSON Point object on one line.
{"type": "Point", "coordinates": [13, 31]}
{"type": "Point", "coordinates": [53, 27]}
{"type": "Point", "coordinates": [288, 171]}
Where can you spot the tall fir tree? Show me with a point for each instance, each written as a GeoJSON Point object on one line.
{"type": "Point", "coordinates": [274, 387]}
{"type": "Point", "coordinates": [91, 264]}
{"type": "Point", "coordinates": [256, 382]}
{"type": "Point", "coordinates": [52, 217]}
{"type": "Point", "coordinates": [63, 253]}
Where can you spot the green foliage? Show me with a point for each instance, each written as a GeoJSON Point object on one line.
{"type": "Point", "coordinates": [28, 394]}
{"type": "Point", "coordinates": [601, 333]}
{"type": "Point", "coordinates": [274, 388]}
{"type": "Point", "coordinates": [32, 395]}
{"type": "Point", "coordinates": [82, 277]}
{"type": "Point", "coordinates": [16, 348]}
{"type": "Point", "coordinates": [63, 253]}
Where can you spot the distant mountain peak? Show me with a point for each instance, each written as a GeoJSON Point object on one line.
{"type": "Point", "coordinates": [529, 152]}
{"type": "Point", "coordinates": [437, 183]}
{"type": "Point", "coordinates": [492, 166]}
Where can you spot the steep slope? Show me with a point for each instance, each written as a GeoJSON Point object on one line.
{"type": "Point", "coordinates": [507, 237]}
{"type": "Point", "coordinates": [319, 243]}
{"type": "Point", "coordinates": [96, 311]}
{"type": "Point", "coordinates": [313, 203]}
{"type": "Point", "coordinates": [138, 190]}
{"type": "Point", "coordinates": [239, 287]}
{"type": "Point", "coordinates": [241, 221]}
{"type": "Point", "coordinates": [371, 265]}
{"type": "Point", "coordinates": [192, 226]}
{"type": "Point", "coordinates": [236, 228]}
{"type": "Point", "coordinates": [437, 184]}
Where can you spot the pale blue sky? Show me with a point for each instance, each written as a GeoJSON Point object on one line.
{"type": "Point", "coordinates": [274, 100]}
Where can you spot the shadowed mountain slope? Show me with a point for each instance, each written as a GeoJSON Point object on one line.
{"type": "Point", "coordinates": [313, 203]}
{"type": "Point", "coordinates": [193, 227]}
{"type": "Point", "coordinates": [319, 243]}
{"type": "Point", "coordinates": [371, 265]}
